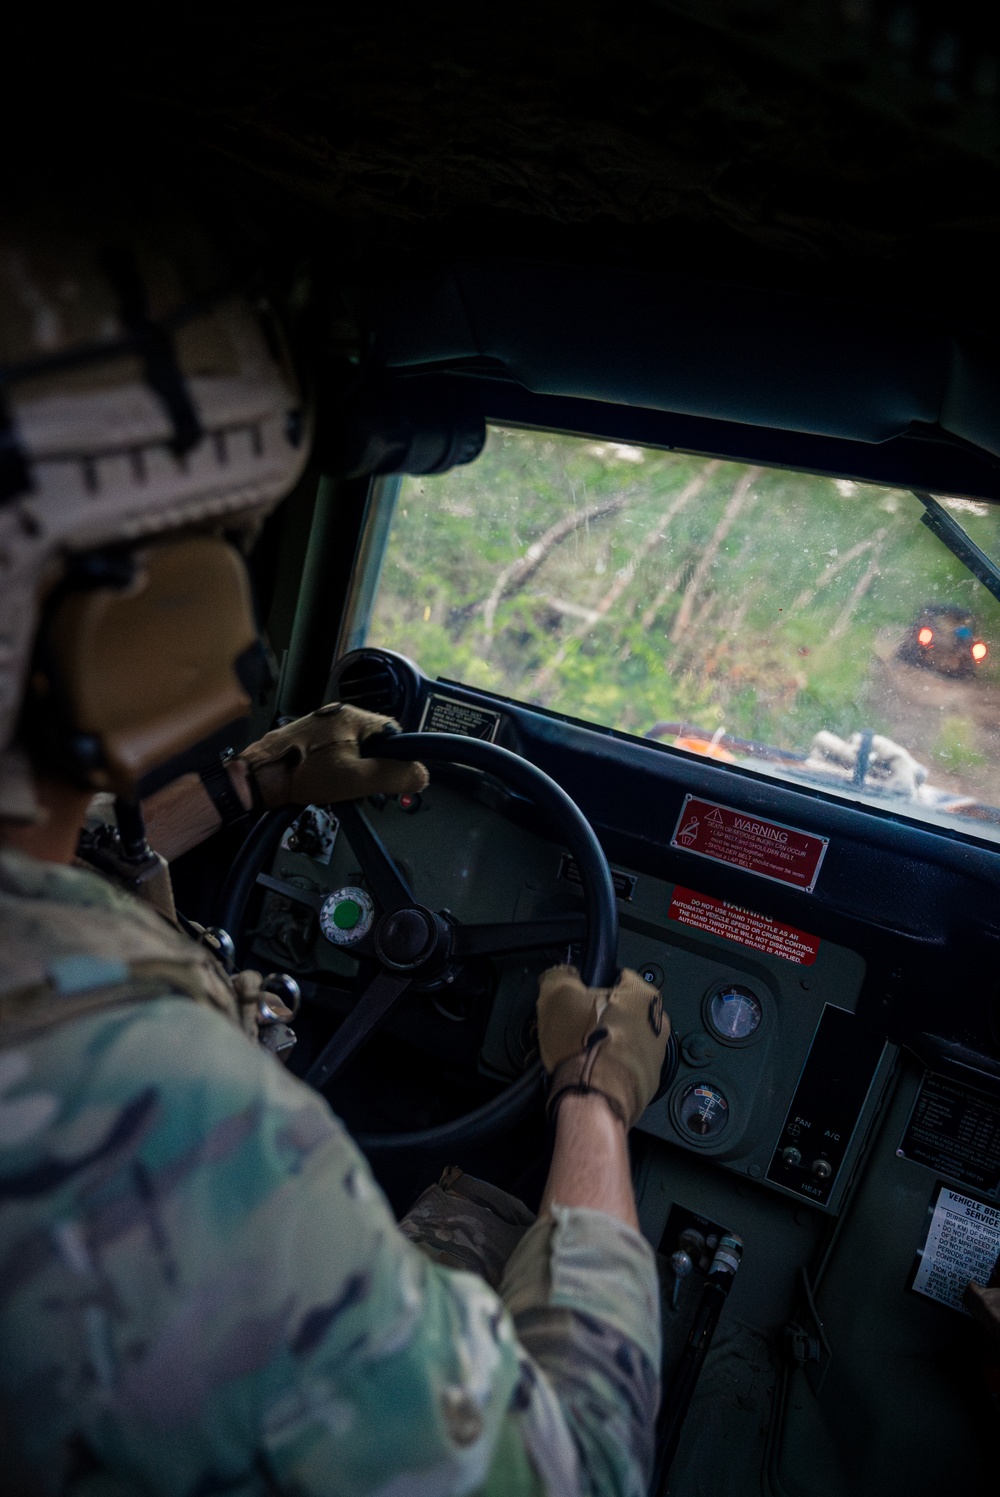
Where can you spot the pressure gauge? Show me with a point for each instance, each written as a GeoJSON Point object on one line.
{"type": "Point", "coordinates": [734, 1012]}
{"type": "Point", "coordinates": [703, 1110]}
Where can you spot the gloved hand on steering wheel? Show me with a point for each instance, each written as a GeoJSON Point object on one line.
{"type": "Point", "coordinates": [316, 760]}
{"type": "Point", "coordinates": [606, 1040]}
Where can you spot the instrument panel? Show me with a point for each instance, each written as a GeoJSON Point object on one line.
{"type": "Point", "coordinates": [777, 1078]}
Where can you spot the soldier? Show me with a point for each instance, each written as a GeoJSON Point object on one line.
{"type": "Point", "coordinates": [202, 1289]}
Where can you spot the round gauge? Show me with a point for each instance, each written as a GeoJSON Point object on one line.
{"type": "Point", "coordinates": [734, 1012]}
{"type": "Point", "coordinates": [346, 915]}
{"type": "Point", "coordinates": [703, 1110]}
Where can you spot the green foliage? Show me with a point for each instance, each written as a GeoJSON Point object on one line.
{"type": "Point", "coordinates": [952, 747]}
{"type": "Point", "coordinates": [769, 604]}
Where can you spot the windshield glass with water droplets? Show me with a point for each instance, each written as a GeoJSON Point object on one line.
{"type": "Point", "coordinates": [810, 628]}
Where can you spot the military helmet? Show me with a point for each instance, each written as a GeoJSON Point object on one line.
{"type": "Point", "coordinates": [140, 395]}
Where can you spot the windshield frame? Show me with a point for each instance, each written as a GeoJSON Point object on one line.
{"type": "Point", "coordinates": [360, 607]}
{"type": "Point", "coordinates": [366, 574]}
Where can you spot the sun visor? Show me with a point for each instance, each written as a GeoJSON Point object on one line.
{"type": "Point", "coordinates": [396, 425]}
{"type": "Point", "coordinates": [721, 352]}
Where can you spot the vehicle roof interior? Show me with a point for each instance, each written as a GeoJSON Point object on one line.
{"type": "Point", "coordinates": [755, 214]}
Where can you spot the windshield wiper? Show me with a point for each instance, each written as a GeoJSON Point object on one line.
{"type": "Point", "coordinates": [959, 543]}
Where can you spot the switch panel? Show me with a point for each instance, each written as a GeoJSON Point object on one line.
{"type": "Point", "coordinates": [835, 1083]}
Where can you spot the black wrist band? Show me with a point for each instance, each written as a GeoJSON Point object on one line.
{"type": "Point", "coordinates": [580, 1089]}
{"type": "Point", "coordinates": [221, 792]}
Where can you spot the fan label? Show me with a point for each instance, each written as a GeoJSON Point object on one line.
{"type": "Point", "coordinates": [768, 848]}
{"type": "Point", "coordinates": [448, 715]}
{"type": "Point", "coordinates": [746, 927]}
{"type": "Point", "coordinates": [962, 1243]}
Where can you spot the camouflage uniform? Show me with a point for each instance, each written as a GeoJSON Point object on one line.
{"type": "Point", "coordinates": [202, 1290]}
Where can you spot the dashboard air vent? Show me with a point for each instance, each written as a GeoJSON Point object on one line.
{"type": "Point", "coordinates": [370, 680]}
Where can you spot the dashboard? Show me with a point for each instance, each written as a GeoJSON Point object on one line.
{"type": "Point", "coordinates": [915, 912]}
{"type": "Point", "coordinates": [792, 986]}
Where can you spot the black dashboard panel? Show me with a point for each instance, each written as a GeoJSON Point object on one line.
{"type": "Point", "coordinates": [919, 906]}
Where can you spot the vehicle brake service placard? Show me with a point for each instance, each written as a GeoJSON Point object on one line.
{"type": "Point", "coordinates": [448, 715]}
{"type": "Point", "coordinates": [962, 1243]}
{"type": "Point", "coordinates": [768, 848]}
{"type": "Point", "coordinates": [955, 1132]}
{"type": "Point", "coordinates": [746, 927]}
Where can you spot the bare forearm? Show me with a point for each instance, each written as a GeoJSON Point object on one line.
{"type": "Point", "coordinates": [590, 1163]}
{"type": "Point", "coordinates": [182, 815]}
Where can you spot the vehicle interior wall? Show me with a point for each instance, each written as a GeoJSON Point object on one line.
{"type": "Point", "coordinates": [895, 1400]}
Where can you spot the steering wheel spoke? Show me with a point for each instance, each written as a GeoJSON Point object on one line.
{"type": "Point", "coordinates": [311, 897]}
{"type": "Point", "coordinates": [384, 879]}
{"type": "Point", "coordinates": [527, 935]}
{"type": "Point", "coordinates": [379, 997]}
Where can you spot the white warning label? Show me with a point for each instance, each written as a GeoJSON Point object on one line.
{"type": "Point", "coordinates": [962, 1243]}
{"type": "Point", "coordinates": [448, 715]}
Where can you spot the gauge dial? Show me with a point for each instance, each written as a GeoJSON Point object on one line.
{"type": "Point", "coordinates": [703, 1111]}
{"type": "Point", "coordinates": [346, 915]}
{"type": "Point", "coordinates": [734, 1012]}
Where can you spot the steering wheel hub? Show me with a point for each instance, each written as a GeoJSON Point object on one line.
{"type": "Point", "coordinates": [407, 938]}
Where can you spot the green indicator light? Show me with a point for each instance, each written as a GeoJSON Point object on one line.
{"type": "Point", "coordinates": [347, 914]}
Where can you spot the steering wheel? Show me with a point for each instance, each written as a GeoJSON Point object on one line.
{"type": "Point", "coordinates": [411, 943]}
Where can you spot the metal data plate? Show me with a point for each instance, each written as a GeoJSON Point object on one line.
{"type": "Point", "coordinates": [955, 1132]}
{"type": "Point", "coordinates": [444, 714]}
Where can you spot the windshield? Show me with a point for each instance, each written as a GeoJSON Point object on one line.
{"type": "Point", "coordinates": [810, 628]}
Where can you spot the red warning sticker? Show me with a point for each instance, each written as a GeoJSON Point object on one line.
{"type": "Point", "coordinates": [767, 848]}
{"type": "Point", "coordinates": [745, 927]}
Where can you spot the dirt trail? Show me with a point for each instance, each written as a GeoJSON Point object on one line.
{"type": "Point", "coordinates": [929, 713]}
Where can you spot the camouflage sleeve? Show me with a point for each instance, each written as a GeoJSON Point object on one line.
{"type": "Point", "coordinates": [203, 1291]}
{"type": "Point", "coordinates": [585, 1298]}
{"type": "Point", "coordinates": [583, 1292]}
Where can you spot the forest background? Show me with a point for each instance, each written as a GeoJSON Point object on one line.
{"type": "Point", "coordinates": [630, 586]}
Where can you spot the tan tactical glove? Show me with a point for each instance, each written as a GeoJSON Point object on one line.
{"type": "Point", "coordinates": [606, 1040]}
{"type": "Point", "coordinates": [315, 760]}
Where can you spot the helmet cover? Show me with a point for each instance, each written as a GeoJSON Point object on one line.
{"type": "Point", "coordinates": [138, 396]}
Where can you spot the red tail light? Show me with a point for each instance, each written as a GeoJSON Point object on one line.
{"type": "Point", "coordinates": [979, 651]}
{"type": "Point", "coordinates": [925, 636]}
